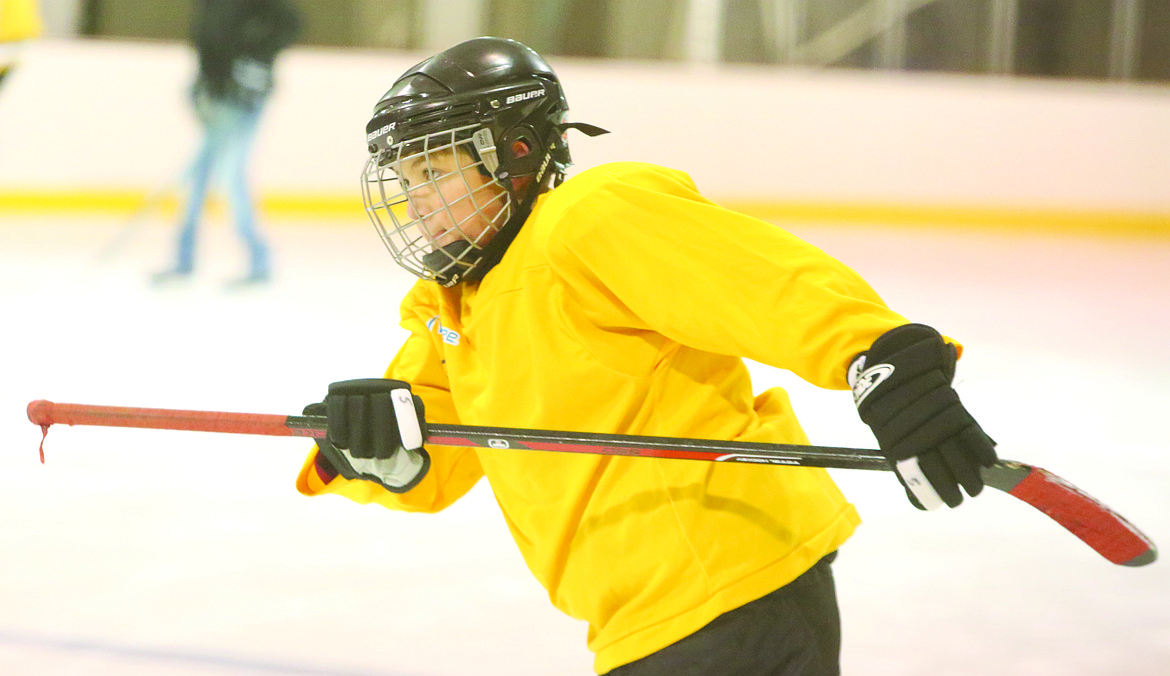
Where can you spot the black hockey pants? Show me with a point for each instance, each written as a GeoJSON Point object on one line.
{"type": "Point", "coordinates": [794, 631]}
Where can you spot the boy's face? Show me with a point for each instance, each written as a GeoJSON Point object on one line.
{"type": "Point", "coordinates": [451, 198]}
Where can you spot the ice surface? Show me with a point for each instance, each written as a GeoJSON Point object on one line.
{"type": "Point", "coordinates": [180, 553]}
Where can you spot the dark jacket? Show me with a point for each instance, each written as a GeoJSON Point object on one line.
{"type": "Point", "coordinates": [238, 41]}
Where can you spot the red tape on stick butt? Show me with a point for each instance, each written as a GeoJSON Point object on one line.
{"type": "Point", "coordinates": [46, 413]}
{"type": "Point", "coordinates": [40, 412]}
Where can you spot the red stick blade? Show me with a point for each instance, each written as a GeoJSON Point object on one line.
{"type": "Point", "coordinates": [1101, 528]}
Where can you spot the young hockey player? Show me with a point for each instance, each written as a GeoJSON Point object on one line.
{"type": "Point", "coordinates": [623, 301]}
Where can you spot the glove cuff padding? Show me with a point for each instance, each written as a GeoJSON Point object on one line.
{"type": "Point", "coordinates": [902, 388]}
{"type": "Point", "coordinates": [911, 407]}
{"type": "Point", "coordinates": [914, 350]}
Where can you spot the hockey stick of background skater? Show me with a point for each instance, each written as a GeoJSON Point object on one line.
{"type": "Point", "coordinates": [166, 195]}
{"type": "Point", "coordinates": [1098, 526]}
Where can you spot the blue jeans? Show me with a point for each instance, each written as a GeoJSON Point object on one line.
{"type": "Point", "coordinates": [228, 131]}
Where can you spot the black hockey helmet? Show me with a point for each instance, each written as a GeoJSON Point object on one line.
{"type": "Point", "coordinates": [492, 83]}
{"type": "Point", "coordinates": [502, 103]}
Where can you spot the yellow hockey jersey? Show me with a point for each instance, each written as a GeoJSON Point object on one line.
{"type": "Point", "coordinates": [624, 306]}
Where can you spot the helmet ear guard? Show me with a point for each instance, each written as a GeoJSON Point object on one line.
{"type": "Point", "coordinates": [520, 164]}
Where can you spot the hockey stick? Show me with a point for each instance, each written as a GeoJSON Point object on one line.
{"type": "Point", "coordinates": [1107, 532]}
{"type": "Point", "coordinates": [152, 201]}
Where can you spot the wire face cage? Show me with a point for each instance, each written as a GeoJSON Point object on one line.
{"type": "Point", "coordinates": [435, 202]}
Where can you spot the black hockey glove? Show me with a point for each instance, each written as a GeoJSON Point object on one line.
{"type": "Point", "coordinates": [376, 432]}
{"type": "Point", "coordinates": [902, 388]}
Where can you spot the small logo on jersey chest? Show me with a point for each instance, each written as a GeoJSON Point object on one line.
{"type": "Point", "coordinates": [449, 336]}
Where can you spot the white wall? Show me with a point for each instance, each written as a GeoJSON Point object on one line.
{"type": "Point", "coordinates": [83, 114]}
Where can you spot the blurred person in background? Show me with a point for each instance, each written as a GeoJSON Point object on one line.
{"type": "Point", "coordinates": [237, 43]}
{"type": "Point", "coordinates": [622, 301]}
{"type": "Point", "coordinates": [20, 22]}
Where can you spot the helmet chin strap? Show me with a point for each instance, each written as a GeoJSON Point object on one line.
{"type": "Point", "coordinates": [493, 252]}
{"type": "Point", "coordinates": [483, 260]}
{"type": "Point", "coordinates": [444, 256]}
